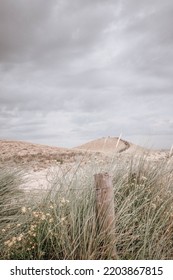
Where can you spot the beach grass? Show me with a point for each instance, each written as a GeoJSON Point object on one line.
{"type": "Point", "coordinates": [62, 224]}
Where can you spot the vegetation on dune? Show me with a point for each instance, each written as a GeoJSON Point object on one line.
{"type": "Point", "coordinates": [62, 225]}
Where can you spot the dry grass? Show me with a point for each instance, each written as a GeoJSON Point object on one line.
{"type": "Point", "coordinates": [62, 225]}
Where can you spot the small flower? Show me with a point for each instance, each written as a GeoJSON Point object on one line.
{"type": "Point", "coordinates": [18, 225]}
{"type": "Point", "coordinates": [7, 242]}
{"type": "Point", "coordinates": [48, 214]}
{"type": "Point", "coordinates": [19, 238]}
{"type": "Point", "coordinates": [32, 227]}
{"type": "Point", "coordinates": [43, 217]}
{"type": "Point", "coordinates": [35, 214]}
{"type": "Point", "coordinates": [64, 201]}
{"type": "Point", "coordinates": [23, 210]}
{"type": "Point", "coordinates": [3, 230]}
{"type": "Point", "coordinates": [51, 220]}
{"type": "Point", "coordinates": [10, 244]}
{"type": "Point", "coordinates": [14, 239]}
{"type": "Point", "coordinates": [63, 219]}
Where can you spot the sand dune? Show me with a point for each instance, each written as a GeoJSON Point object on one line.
{"type": "Point", "coordinates": [36, 155]}
{"type": "Point", "coordinates": [43, 156]}
{"type": "Point", "coordinates": [110, 145]}
{"type": "Point", "coordinates": [37, 160]}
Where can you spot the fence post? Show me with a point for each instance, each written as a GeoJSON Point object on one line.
{"type": "Point", "coordinates": [105, 212]}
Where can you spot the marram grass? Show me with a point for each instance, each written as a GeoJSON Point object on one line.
{"type": "Point", "coordinates": [63, 224]}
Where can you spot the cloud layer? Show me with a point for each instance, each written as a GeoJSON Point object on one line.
{"type": "Point", "coordinates": [71, 71]}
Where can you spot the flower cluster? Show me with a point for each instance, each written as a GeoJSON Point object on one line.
{"type": "Point", "coordinates": [35, 228]}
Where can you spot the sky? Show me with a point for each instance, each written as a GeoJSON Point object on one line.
{"type": "Point", "coordinates": [74, 71]}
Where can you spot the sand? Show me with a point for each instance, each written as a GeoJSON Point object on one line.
{"type": "Point", "coordinates": [41, 161]}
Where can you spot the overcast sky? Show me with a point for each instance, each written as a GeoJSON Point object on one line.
{"type": "Point", "coordinates": [76, 70]}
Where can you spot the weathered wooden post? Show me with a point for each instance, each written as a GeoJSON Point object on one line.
{"type": "Point", "coordinates": [105, 212]}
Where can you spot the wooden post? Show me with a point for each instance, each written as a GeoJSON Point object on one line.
{"type": "Point", "coordinates": [105, 212]}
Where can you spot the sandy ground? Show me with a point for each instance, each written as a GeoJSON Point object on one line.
{"type": "Point", "coordinates": [40, 162]}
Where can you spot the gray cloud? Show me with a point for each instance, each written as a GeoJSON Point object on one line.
{"type": "Point", "coordinates": [75, 70]}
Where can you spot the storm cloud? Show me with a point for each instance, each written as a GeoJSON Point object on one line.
{"type": "Point", "coordinates": [71, 71]}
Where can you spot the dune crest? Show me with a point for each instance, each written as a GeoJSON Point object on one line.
{"type": "Point", "coordinates": [109, 145]}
